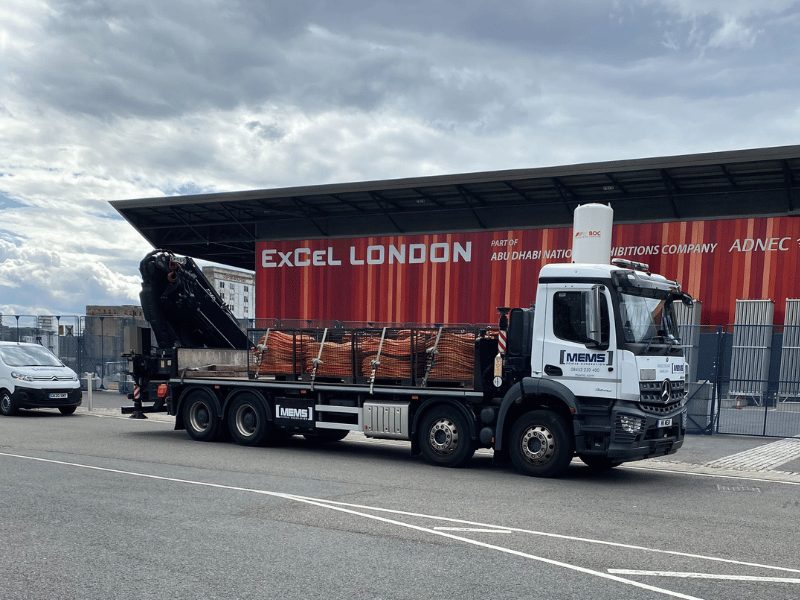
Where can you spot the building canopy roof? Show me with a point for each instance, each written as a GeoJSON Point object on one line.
{"type": "Point", "coordinates": [223, 227]}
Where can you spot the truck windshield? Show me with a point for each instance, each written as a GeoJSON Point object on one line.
{"type": "Point", "coordinates": [29, 356]}
{"type": "Point", "coordinates": [648, 320]}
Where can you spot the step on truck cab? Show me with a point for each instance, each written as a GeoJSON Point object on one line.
{"type": "Point", "coordinates": [595, 370]}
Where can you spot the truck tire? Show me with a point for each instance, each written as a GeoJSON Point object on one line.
{"type": "Point", "coordinates": [444, 438]}
{"type": "Point", "coordinates": [326, 436]}
{"type": "Point", "coordinates": [247, 421]}
{"type": "Point", "coordinates": [599, 463]}
{"type": "Point", "coordinates": [540, 445]}
{"type": "Point", "coordinates": [7, 406]}
{"type": "Point", "coordinates": [200, 418]}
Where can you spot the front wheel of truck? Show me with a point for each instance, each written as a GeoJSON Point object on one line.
{"type": "Point", "coordinates": [540, 445]}
{"type": "Point", "coordinates": [200, 417]}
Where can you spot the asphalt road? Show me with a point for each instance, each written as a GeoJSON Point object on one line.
{"type": "Point", "coordinates": [105, 507]}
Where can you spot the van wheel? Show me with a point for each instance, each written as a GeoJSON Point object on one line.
{"type": "Point", "coordinates": [7, 406]}
{"type": "Point", "coordinates": [444, 437]}
{"type": "Point", "coordinates": [539, 444]}
{"type": "Point", "coordinates": [247, 420]}
{"type": "Point", "coordinates": [200, 418]}
{"type": "Point", "coordinates": [67, 410]}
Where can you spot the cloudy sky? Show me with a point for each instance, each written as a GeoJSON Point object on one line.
{"type": "Point", "coordinates": [111, 99]}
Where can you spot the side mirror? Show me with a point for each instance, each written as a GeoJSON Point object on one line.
{"type": "Point", "coordinates": [594, 336]}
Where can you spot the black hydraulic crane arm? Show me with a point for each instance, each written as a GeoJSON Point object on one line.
{"type": "Point", "coordinates": [182, 306]}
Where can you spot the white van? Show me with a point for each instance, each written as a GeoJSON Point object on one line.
{"type": "Point", "coordinates": [32, 377]}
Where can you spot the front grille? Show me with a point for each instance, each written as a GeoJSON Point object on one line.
{"type": "Point", "coordinates": [659, 409]}
{"type": "Point", "coordinates": [53, 378]}
{"type": "Point", "coordinates": [650, 392]}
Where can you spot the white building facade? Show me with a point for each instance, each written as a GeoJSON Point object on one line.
{"type": "Point", "coordinates": [236, 288]}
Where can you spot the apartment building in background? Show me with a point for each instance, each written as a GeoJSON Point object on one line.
{"type": "Point", "coordinates": [236, 288]}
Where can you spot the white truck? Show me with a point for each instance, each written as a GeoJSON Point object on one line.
{"type": "Point", "coordinates": [595, 371]}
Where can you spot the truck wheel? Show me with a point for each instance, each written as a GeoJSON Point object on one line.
{"type": "Point", "coordinates": [444, 437]}
{"type": "Point", "coordinates": [67, 410]}
{"type": "Point", "coordinates": [539, 444]}
{"type": "Point", "coordinates": [326, 436]}
{"type": "Point", "coordinates": [7, 406]}
{"type": "Point", "coordinates": [600, 463]}
{"type": "Point", "coordinates": [199, 417]}
{"type": "Point", "coordinates": [247, 421]}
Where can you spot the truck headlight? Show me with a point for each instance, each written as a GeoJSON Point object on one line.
{"type": "Point", "coordinates": [21, 376]}
{"type": "Point", "coordinates": [630, 424]}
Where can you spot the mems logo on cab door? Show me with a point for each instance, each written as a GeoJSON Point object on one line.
{"type": "Point", "coordinates": [585, 358]}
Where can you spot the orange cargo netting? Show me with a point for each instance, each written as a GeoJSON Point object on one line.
{"type": "Point", "coordinates": [281, 351]}
{"type": "Point", "coordinates": [455, 358]}
{"type": "Point", "coordinates": [399, 353]}
{"type": "Point", "coordinates": [336, 359]}
{"type": "Point", "coordinates": [405, 355]}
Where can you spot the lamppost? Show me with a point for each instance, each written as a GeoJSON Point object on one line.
{"type": "Point", "coordinates": [102, 355]}
{"type": "Point", "coordinates": [17, 318]}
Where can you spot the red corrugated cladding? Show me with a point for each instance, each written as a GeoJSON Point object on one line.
{"type": "Point", "coordinates": [463, 277]}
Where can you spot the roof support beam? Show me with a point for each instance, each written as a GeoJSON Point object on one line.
{"type": "Point", "coordinates": [347, 202]}
{"type": "Point", "coordinates": [307, 214]}
{"type": "Point", "coordinates": [615, 182]}
{"type": "Point", "coordinates": [468, 196]}
{"type": "Point", "coordinates": [519, 192]}
{"type": "Point", "coordinates": [788, 177]}
{"type": "Point", "coordinates": [191, 227]}
{"type": "Point", "coordinates": [729, 176]}
{"type": "Point", "coordinates": [566, 194]}
{"type": "Point", "coordinates": [672, 188]}
{"type": "Point", "coordinates": [427, 197]}
{"type": "Point", "coordinates": [381, 203]}
{"type": "Point", "coordinates": [233, 218]}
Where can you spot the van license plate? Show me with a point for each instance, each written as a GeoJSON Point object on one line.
{"type": "Point", "coordinates": [58, 395]}
{"type": "Point", "coordinates": [664, 423]}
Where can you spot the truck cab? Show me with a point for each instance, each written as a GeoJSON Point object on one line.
{"type": "Point", "coordinates": [604, 342]}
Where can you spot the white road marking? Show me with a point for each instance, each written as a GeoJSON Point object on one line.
{"type": "Point", "coordinates": [569, 537]}
{"type": "Point", "coordinates": [761, 458]}
{"type": "Point", "coordinates": [473, 529]}
{"type": "Point", "coordinates": [705, 576]}
{"type": "Point", "coordinates": [324, 504]}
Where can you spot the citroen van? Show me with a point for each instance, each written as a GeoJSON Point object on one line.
{"type": "Point", "coordinates": [33, 377]}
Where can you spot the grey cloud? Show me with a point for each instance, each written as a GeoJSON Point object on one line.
{"type": "Point", "coordinates": [160, 60]}
{"type": "Point", "coordinates": [142, 98]}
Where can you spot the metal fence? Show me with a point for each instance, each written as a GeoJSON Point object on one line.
{"type": "Point", "coordinates": [747, 380]}
{"type": "Point", "coordinates": [744, 378]}
{"type": "Point", "coordinates": [86, 344]}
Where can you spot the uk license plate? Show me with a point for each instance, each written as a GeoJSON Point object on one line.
{"type": "Point", "coordinates": [664, 423]}
{"type": "Point", "coordinates": [58, 395]}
